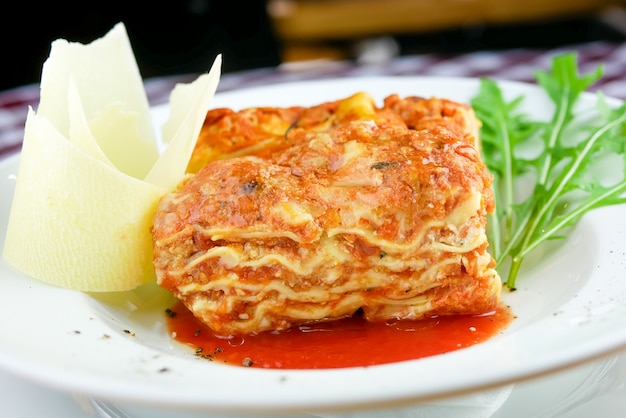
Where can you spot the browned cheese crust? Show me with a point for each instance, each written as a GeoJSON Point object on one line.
{"type": "Point", "coordinates": [311, 214]}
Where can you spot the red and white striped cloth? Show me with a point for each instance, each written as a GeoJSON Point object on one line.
{"type": "Point", "coordinates": [515, 65]}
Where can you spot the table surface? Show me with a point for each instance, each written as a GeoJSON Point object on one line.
{"type": "Point", "coordinates": [16, 395]}
{"type": "Point", "coordinates": [515, 65]}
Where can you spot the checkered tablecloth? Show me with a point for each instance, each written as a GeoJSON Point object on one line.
{"type": "Point", "coordinates": [515, 65]}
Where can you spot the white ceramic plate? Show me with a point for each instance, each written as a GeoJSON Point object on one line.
{"type": "Point", "coordinates": [571, 306]}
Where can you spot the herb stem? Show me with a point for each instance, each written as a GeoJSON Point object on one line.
{"type": "Point", "coordinates": [585, 207]}
{"type": "Point", "coordinates": [516, 263]}
{"type": "Point", "coordinates": [509, 187]}
{"type": "Point", "coordinates": [555, 133]}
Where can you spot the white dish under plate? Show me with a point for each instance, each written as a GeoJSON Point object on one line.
{"type": "Point", "coordinates": [570, 308]}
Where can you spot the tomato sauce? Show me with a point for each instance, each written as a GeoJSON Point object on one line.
{"type": "Point", "coordinates": [349, 342]}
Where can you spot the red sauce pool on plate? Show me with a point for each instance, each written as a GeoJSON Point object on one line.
{"type": "Point", "coordinates": [347, 342]}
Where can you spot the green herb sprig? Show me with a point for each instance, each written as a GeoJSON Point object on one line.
{"type": "Point", "coordinates": [564, 185]}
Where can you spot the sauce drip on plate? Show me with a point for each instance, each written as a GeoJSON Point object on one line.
{"type": "Point", "coordinates": [349, 342]}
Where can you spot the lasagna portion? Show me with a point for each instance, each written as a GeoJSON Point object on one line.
{"type": "Point", "coordinates": [296, 215]}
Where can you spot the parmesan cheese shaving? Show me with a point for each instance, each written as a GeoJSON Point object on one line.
{"type": "Point", "coordinates": [75, 221]}
{"type": "Point", "coordinates": [108, 81]}
{"type": "Point", "coordinates": [90, 175]}
{"type": "Point", "coordinates": [184, 126]}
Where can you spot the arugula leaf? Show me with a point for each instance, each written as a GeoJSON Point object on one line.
{"type": "Point", "coordinates": [565, 186]}
{"type": "Point", "coordinates": [501, 131]}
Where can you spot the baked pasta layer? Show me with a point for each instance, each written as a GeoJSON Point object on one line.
{"type": "Point", "coordinates": [298, 214]}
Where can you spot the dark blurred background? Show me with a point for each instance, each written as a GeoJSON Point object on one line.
{"type": "Point", "coordinates": [179, 37]}
{"type": "Point", "coordinates": [167, 37]}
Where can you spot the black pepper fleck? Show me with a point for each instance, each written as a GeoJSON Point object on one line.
{"type": "Point", "coordinates": [250, 187]}
{"type": "Point", "coordinates": [293, 125]}
{"type": "Point", "coordinates": [384, 164]}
